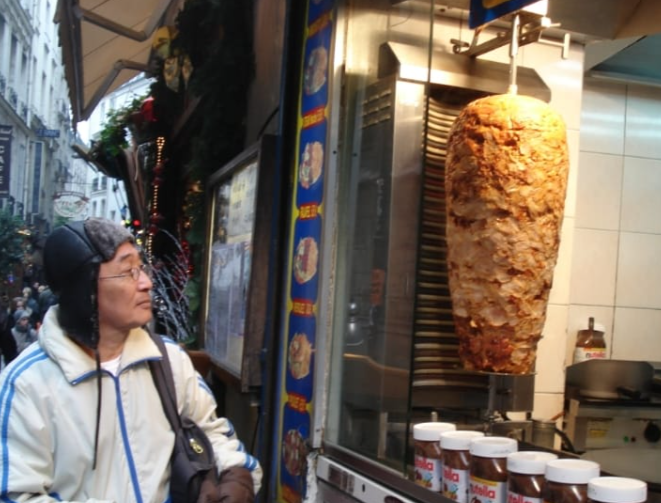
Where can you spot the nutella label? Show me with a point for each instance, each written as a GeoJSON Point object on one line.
{"type": "Point", "coordinates": [428, 472]}
{"type": "Point", "coordinates": [585, 354]}
{"type": "Point", "coordinates": [455, 484]}
{"type": "Point", "coordinates": [520, 498]}
{"type": "Point", "coordinates": [486, 491]}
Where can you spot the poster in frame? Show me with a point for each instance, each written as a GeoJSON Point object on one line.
{"type": "Point", "coordinates": [242, 226]}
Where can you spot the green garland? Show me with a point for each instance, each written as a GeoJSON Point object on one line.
{"type": "Point", "coordinates": [112, 138]}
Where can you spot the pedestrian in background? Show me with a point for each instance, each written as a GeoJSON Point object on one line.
{"type": "Point", "coordinates": [17, 305]}
{"type": "Point", "coordinates": [31, 304]}
{"type": "Point", "coordinates": [22, 331]}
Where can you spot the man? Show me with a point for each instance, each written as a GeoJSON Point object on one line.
{"type": "Point", "coordinates": [82, 420]}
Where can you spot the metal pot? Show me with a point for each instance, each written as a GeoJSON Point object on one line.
{"type": "Point", "coordinates": [611, 379]}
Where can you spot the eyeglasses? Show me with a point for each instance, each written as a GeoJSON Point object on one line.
{"type": "Point", "coordinates": [134, 273]}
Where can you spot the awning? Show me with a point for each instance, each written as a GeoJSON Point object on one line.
{"type": "Point", "coordinates": [105, 43]}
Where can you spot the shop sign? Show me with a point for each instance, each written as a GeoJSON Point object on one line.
{"type": "Point", "coordinates": [485, 11]}
{"type": "Point", "coordinates": [5, 158]}
{"type": "Point", "coordinates": [48, 133]}
{"type": "Point", "coordinates": [69, 204]}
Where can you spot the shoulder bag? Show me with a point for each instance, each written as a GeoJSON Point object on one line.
{"type": "Point", "coordinates": [193, 456]}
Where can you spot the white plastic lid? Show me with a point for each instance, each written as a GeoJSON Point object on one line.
{"type": "Point", "coordinates": [431, 432]}
{"type": "Point", "coordinates": [617, 490]}
{"type": "Point", "coordinates": [459, 440]}
{"type": "Point", "coordinates": [571, 471]}
{"type": "Point", "coordinates": [529, 462]}
{"type": "Point", "coordinates": [493, 447]}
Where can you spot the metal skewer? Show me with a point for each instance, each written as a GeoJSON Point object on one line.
{"type": "Point", "coordinates": [514, 50]}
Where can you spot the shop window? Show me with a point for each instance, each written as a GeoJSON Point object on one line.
{"type": "Point", "coordinates": [395, 359]}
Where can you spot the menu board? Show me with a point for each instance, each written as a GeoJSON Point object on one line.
{"type": "Point", "coordinates": [229, 267]}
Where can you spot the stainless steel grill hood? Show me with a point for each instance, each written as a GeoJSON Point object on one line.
{"type": "Point", "coordinates": [410, 63]}
{"type": "Point", "coordinates": [623, 36]}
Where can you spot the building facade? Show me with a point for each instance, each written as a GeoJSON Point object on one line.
{"type": "Point", "coordinates": [107, 196]}
{"type": "Point", "coordinates": [34, 112]}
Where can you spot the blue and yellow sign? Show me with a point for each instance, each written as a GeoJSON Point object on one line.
{"type": "Point", "coordinates": [297, 356]}
{"type": "Point", "coordinates": [485, 11]}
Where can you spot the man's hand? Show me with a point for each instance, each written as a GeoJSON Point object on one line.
{"type": "Point", "coordinates": [233, 486]}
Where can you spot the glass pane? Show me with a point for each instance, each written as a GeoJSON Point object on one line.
{"type": "Point", "coordinates": [230, 266]}
{"type": "Point", "coordinates": [380, 193]}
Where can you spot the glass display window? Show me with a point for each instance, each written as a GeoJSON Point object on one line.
{"type": "Point", "coordinates": [395, 358]}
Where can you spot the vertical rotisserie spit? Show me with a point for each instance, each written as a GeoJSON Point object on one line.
{"type": "Point", "coordinates": [506, 178]}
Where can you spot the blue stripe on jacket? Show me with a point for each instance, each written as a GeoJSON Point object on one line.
{"type": "Point", "coordinates": [6, 395]}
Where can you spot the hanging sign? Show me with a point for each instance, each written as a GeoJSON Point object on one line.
{"type": "Point", "coordinates": [5, 159]}
{"type": "Point", "coordinates": [47, 133]}
{"type": "Point", "coordinates": [70, 204]}
{"type": "Point", "coordinates": [485, 11]}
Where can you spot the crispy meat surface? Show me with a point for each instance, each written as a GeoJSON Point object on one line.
{"type": "Point", "coordinates": [506, 178]}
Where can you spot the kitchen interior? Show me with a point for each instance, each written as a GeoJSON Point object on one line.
{"type": "Point", "coordinates": [605, 81]}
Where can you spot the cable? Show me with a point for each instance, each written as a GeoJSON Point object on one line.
{"type": "Point", "coordinates": [565, 440]}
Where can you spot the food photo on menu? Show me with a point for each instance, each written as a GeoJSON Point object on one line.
{"type": "Point", "coordinates": [300, 356]}
{"type": "Point", "coordinates": [312, 162]}
{"type": "Point", "coordinates": [315, 70]}
{"type": "Point", "coordinates": [294, 452]}
{"type": "Point", "coordinates": [306, 260]}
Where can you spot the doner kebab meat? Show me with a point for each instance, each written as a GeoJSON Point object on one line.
{"type": "Point", "coordinates": [505, 182]}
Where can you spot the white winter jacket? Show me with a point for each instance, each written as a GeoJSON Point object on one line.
{"type": "Point", "coordinates": [48, 400]}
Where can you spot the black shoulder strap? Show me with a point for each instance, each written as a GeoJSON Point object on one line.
{"type": "Point", "coordinates": [161, 372]}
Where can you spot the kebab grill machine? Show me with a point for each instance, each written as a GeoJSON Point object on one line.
{"type": "Point", "coordinates": [398, 109]}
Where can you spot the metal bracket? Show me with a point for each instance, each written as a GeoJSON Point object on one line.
{"type": "Point", "coordinates": [564, 45]}
{"type": "Point", "coordinates": [531, 27]}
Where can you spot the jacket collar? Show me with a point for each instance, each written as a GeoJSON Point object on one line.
{"type": "Point", "coordinates": [75, 363]}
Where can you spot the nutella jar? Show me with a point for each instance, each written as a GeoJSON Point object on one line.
{"type": "Point", "coordinates": [616, 490]}
{"type": "Point", "coordinates": [590, 343]}
{"type": "Point", "coordinates": [525, 472]}
{"type": "Point", "coordinates": [567, 480]}
{"type": "Point", "coordinates": [455, 458]}
{"type": "Point", "coordinates": [488, 469]}
{"type": "Point", "coordinates": [427, 453]}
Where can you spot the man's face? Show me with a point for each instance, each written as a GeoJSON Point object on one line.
{"type": "Point", "coordinates": [124, 303]}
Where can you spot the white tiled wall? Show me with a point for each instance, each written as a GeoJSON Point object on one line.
{"type": "Point", "coordinates": [616, 261]}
